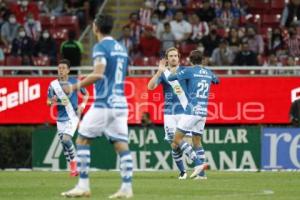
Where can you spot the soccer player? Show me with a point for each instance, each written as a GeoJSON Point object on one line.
{"type": "Point", "coordinates": [68, 111]}
{"type": "Point", "coordinates": [108, 116]}
{"type": "Point", "coordinates": [175, 101]}
{"type": "Point", "coordinates": [198, 80]}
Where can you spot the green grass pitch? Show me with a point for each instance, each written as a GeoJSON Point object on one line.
{"type": "Point", "coordinates": [156, 185]}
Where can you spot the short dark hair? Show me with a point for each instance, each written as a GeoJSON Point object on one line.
{"type": "Point", "coordinates": [196, 57]}
{"type": "Point", "coordinates": [104, 23]}
{"type": "Point", "coordinates": [72, 35]}
{"type": "Point", "coordinates": [65, 61]}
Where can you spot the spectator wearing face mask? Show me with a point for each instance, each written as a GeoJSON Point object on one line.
{"type": "Point", "coordinates": [145, 13]}
{"type": "Point", "coordinates": [22, 45]}
{"type": "Point", "coordinates": [163, 12]}
{"type": "Point", "coordinates": [135, 26]}
{"type": "Point", "coordinates": [32, 27]}
{"type": "Point", "coordinates": [9, 30]}
{"type": "Point", "coordinates": [22, 9]}
{"type": "Point", "coordinates": [46, 46]}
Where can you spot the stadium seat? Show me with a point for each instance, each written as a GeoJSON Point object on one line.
{"type": "Point", "coordinates": [277, 6]}
{"type": "Point", "coordinates": [258, 7]}
{"type": "Point", "coordinates": [41, 61]}
{"type": "Point", "coordinates": [12, 61]}
{"type": "Point", "coordinates": [68, 22]}
{"type": "Point", "coordinates": [59, 35]}
{"type": "Point", "coordinates": [270, 20]}
{"type": "Point", "coordinates": [185, 49]}
{"type": "Point", "coordinates": [47, 22]}
{"type": "Point", "coordinates": [146, 61]}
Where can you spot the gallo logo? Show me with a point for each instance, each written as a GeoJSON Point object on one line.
{"type": "Point", "coordinates": [295, 94]}
{"type": "Point", "coordinates": [24, 94]}
{"type": "Point", "coordinates": [281, 148]}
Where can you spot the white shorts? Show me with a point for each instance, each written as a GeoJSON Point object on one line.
{"type": "Point", "coordinates": [192, 124]}
{"type": "Point", "coordinates": [66, 127]}
{"type": "Point", "coordinates": [170, 125]}
{"type": "Point", "coordinates": [110, 122]}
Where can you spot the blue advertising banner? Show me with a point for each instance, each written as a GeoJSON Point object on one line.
{"type": "Point", "coordinates": [280, 148]}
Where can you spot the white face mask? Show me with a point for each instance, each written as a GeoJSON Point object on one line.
{"type": "Point", "coordinates": [46, 35]}
{"type": "Point", "coordinates": [12, 20]}
{"type": "Point", "coordinates": [30, 21]}
{"type": "Point", "coordinates": [22, 34]}
{"type": "Point", "coordinates": [24, 3]}
{"type": "Point", "coordinates": [162, 8]}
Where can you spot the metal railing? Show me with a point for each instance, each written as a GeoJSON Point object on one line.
{"type": "Point", "coordinates": [141, 71]}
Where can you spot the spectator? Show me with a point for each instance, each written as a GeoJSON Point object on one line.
{"type": "Point", "coordinates": [293, 42]}
{"type": "Point", "coordinates": [79, 8]}
{"type": "Point", "coordinates": [149, 45]}
{"type": "Point", "coordinates": [4, 12]}
{"type": "Point", "coordinates": [207, 12]}
{"type": "Point", "coordinates": [46, 46]}
{"type": "Point", "coordinates": [135, 26]}
{"type": "Point", "coordinates": [246, 57]}
{"type": "Point", "coordinates": [180, 28]}
{"type": "Point", "coordinates": [32, 27]}
{"type": "Point", "coordinates": [127, 40]}
{"type": "Point", "coordinates": [211, 41]}
{"type": "Point", "coordinates": [273, 61]}
{"type": "Point", "coordinates": [291, 61]}
{"type": "Point", "coordinates": [256, 42]}
{"type": "Point", "coordinates": [228, 15]}
{"type": "Point", "coordinates": [72, 50]}
{"type": "Point", "coordinates": [199, 29]}
{"type": "Point", "coordinates": [295, 113]}
{"type": "Point", "coordinates": [276, 40]}
{"type": "Point", "coordinates": [9, 30]}
{"type": "Point", "coordinates": [167, 37]}
{"type": "Point", "coordinates": [53, 7]}
{"type": "Point", "coordinates": [222, 56]}
{"type": "Point", "coordinates": [163, 12]}
{"type": "Point", "coordinates": [290, 14]}
{"type": "Point", "coordinates": [23, 8]}
{"type": "Point", "coordinates": [234, 40]}
{"type": "Point", "coordinates": [146, 13]}
{"type": "Point", "coordinates": [2, 57]}
{"type": "Point", "coordinates": [22, 46]}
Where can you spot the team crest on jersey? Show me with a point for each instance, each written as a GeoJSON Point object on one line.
{"type": "Point", "coordinates": [177, 89]}
{"type": "Point", "coordinates": [202, 71]}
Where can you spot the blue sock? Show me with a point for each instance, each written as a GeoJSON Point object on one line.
{"type": "Point", "coordinates": [189, 152]}
{"type": "Point", "coordinates": [201, 155]}
{"type": "Point", "coordinates": [177, 156]}
{"type": "Point", "coordinates": [126, 169]}
{"type": "Point", "coordinates": [69, 149]}
{"type": "Point", "coordinates": [83, 164]}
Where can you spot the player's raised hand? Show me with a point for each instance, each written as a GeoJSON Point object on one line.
{"type": "Point", "coordinates": [162, 65]}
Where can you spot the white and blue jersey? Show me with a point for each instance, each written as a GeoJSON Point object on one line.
{"type": "Point", "coordinates": [109, 91]}
{"type": "Point", "coordinates": [72, 98]}
{"type": "Point", "coordinates": [172, 106]}
{"type": "Point", "coordinates": [198, 80]}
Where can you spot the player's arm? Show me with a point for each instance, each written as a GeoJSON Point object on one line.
{"type": "Point", "coordinates": [215, 79]}
{"type": "Point", "coordinates": [85, 99]}
{"type": "Point", "coordinates": [97, 74]}
{"type": "Point", "coordinates": [52, 98]}
{"type": "Point", "coordinates": [155, 80]}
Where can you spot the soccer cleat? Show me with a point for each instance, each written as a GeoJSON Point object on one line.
{"type": "Point", "coordinates": [76, 192]}
{"type": "Point", "coordinates": [199, 169]}
{"type": "Point", "coordinates": [182, 176]}
{"type": "Point", "coordinates": [73, 167]}
{"type": "Point", "coordinates": [200, 178]}
{"type": "Point", "coordinates": [122, 194]}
